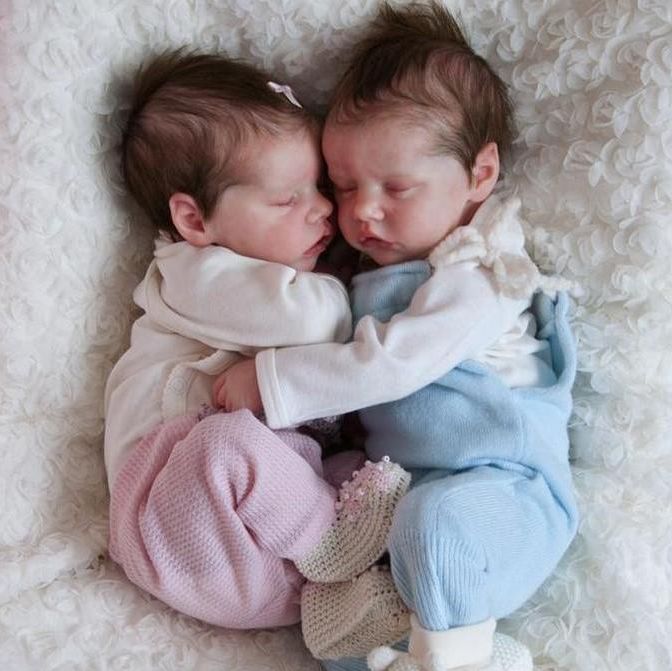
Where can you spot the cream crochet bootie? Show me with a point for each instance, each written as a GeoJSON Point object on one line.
{"type": "Point", "coordinates": [358, 538]}
{"type": "Point", "coordinates": [348, 619]}
{"type": "Point", "coordinates": [458, 649]}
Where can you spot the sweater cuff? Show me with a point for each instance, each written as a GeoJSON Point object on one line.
{"type": "Point", "coordinates": [453, 648]}
{"type": "Point", "coordinates": [269, 390]}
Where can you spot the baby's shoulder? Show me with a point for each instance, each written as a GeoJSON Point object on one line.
{"type": "Point", "coordinates": [495, 230]}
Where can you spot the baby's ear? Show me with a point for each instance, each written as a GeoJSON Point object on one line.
{"type": "Point", "coordinates": [188, 219]}
{"type": "Point", "coordinates": [485, 172]}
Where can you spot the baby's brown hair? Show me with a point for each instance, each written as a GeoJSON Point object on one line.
{"type": "Point", "coordinates": [415, 61]}
{"type": "Point", "coordinates": [190, 115]}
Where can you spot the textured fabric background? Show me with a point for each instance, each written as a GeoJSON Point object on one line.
{"type": "Point", "coordinates": [592, 84]}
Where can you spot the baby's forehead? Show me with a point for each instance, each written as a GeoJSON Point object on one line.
{"type": "Point", "coordinates": [398, 112]}
{"type": "Point", "coordinates": [278, 160]}
{"type": "Point", "coordinates": [397, 133]}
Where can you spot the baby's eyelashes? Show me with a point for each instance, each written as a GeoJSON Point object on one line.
{"type": "Point", "coordinates": [393, 189]}
{"type": "Point", "coordinates": [399, 188]}
{"type": "Point", "coordinates": [342, 190]}
{"type": "Point", "coordinates": [291, 199]}
{"type": "Point", "coordinates": [285, 200]}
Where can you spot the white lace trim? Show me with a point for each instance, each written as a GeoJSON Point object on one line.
{"type": "Point", "coordinates": [494, 239]}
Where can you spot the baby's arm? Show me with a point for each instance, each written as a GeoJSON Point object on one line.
{"type": "Point", "coordinates": [232, 302]}
{"type": "Point", "coordinates": [453, 316]}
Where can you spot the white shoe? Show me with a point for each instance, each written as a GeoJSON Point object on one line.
{"type": "Point", "coordinates": [507, 655]}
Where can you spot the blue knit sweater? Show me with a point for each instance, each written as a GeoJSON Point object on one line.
{"type": "Point", "coordinates": [468, 417]}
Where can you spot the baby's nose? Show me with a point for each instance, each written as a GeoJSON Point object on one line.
{"type": "Point", "coordinates": [324, 206]}
{"type": "Point", "coordinates": [367, 208]}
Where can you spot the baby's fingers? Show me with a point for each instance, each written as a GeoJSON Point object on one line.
{"type": "Point", "coordinates": [219, 391]}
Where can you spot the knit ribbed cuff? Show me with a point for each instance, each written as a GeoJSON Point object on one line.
{"type": "Point", "coordinates": [269, 390]}
{"type": "Point", "coordinates": [441, 579]}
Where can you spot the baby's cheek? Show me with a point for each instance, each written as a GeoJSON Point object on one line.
{"type": "Point", "coordinates": [345, 220]}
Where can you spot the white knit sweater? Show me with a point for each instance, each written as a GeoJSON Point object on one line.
{"type": "Point", "coordinates": [204, 309]}
{"type": "Point", "coordinates": [474, 306]}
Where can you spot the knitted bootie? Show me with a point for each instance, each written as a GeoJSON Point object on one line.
{"type": "Point", "coordinates": [347, 619]}
{"type": "Point", "coordinates": [364, 514]}
{"type": "Point", "coordinates": [507, 655]}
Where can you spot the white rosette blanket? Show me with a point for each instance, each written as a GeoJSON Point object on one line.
{"type": "Point", "coordinates": [592, 86]}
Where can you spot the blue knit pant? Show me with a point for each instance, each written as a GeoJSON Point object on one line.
{"type": "Point", "coordinates": [491, 510]}
{"type": "Point", "coordinates": [476, 544]}
{"type": "Point", "coordinates": [471, 546]}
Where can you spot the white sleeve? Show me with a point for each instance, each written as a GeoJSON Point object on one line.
{"type": "Point", "coordinates": [232, 302]}
{"type": "Point", "coordinates": [454, 315]}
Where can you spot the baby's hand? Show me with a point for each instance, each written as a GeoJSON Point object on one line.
{"type": "Point", "coordinates": [236, 388]}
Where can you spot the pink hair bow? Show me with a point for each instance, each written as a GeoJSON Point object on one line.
{"type": "Point", "coordinates": [286, 90]}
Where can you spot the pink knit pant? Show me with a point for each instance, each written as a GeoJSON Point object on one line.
{"type": "Point", "coordinates": [208, 516]}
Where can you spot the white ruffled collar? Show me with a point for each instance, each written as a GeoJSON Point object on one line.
{"type": "Point", "coordinates": [494, 239]}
